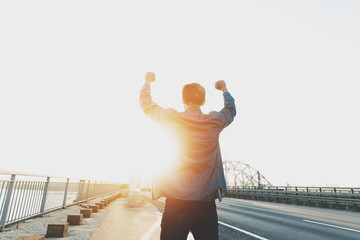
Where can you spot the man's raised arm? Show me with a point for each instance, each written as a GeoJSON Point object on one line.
{"type": "Point", "coordinates": [149, 107]}
{"type": "Point", "coordinates": [229, 110]}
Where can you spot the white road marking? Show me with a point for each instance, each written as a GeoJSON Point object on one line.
{"type": "Point", "coordinates": [190, 237]}
{"type": "Point", "coordinates": [329, 225]}
{"type": "Point", "coordinates": [243, 231]}
{"type": "Point", "coordinates": [224, 205]}
{"type": "Point", "coordinates": [152, 229]}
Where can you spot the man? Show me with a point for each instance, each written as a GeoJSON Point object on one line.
{"type": "Point", "coordinates": [197, 177]}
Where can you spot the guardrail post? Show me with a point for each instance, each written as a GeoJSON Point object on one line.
{"type": "Point", "coordinates": [87, 191]}
{"type": "Point", "coordinates": [66, 192]}
{"type": "Point", "coordinates": [7, 202]}
{"type": "Point", "coordinates": [80, 191]}
{"type": "Point", "coordinates": [42, 208]}
{"type": "Point", "coordinates": [95, 190]}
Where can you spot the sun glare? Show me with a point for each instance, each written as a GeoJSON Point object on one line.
{"type": "Point", "coordinates": [156, 159]}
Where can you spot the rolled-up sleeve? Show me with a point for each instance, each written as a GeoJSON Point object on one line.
{"type": "Point", "coordinates": [229, 110]}
{"type": "Point", "coordinates": [153, 110]}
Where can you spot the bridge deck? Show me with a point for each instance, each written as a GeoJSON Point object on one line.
{"type": "Point", "coordinates": [123, 222]}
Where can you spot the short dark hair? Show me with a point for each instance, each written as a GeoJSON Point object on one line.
{"type": "Point", "coordinates": [193, 94]}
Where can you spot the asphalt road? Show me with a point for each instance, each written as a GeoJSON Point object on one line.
{"type": "Point", "coordinates": [246, 219]}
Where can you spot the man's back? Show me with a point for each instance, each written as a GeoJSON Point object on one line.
{"type": "Point", "coordinates": [198, 171]}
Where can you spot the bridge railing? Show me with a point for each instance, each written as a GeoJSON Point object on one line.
{"type": "Point", "coordinates": [337, 197]}
{"type": "Point", "coordinates": [23, 196]}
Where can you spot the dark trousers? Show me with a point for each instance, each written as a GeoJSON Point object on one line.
{"type": "Point", "coordinates": [180, 217]}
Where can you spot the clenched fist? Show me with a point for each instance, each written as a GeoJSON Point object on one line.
{"type": "Point", "coordinates": [221, 85]}
{"type": "Point", "coordinates": [150, 77]}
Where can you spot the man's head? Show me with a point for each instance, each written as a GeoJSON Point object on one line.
{"type": "Point", "coordinates": [193, 94]}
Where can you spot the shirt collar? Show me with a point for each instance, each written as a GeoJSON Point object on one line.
{"type": "Point", "coordinates": [193, 109]}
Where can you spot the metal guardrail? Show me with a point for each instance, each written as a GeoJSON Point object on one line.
{"type": "Point", "coordinates": [332, 197]}
{"type": "Point", "coordinates": [23, 196]}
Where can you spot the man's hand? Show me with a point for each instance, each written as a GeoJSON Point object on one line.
{"type": "Point", "coordinates": [221, 85]}
{"type": "Point", "coordinates": [150, 77]}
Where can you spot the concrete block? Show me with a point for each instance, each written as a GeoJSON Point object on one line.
{"type": "Point", "coordinates": [104, 202]}
{"type": "Point", "coordinates": [100, 204]}
{"type": "Point", "coordinates": [135, 199]}
{"type": "Point", "coordinates": [31, 238]}
{"type": "Point", "coordinates": [94, 208]}
{"type": "Point", "coordinates": [74, 219]}
{"type": "Point", "coordinates": [86, 212]}
{"type": "Point", "coordinates": [57, 229]}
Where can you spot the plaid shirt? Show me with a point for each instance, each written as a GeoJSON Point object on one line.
{"type": "Point", "coordinates": [198, 171]}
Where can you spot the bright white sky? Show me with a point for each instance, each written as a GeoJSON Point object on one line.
{"type": "Point", "coordinates": [71, 72]}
